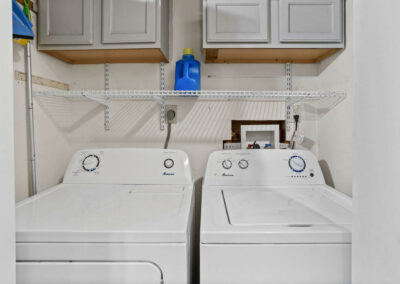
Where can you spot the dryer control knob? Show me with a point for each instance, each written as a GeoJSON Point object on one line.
{"type": "Point", "coordinates": [90, 163]}
{"type": "Point", "coordinates": [227, 164]}
{"type": "Point", "coordinates": [243, 164]}
{"type": "Point", "coordinates": [169, 163]}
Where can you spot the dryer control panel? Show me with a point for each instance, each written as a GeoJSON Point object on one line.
{"type": "Point", "coordinates": [129, 166]}
{"type": "Point", "coordinates": [263, 168]}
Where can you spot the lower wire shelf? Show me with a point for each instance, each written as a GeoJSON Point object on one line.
{"type": "Point", "coordinates": [317, 102]}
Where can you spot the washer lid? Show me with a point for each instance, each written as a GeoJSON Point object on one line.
{"type": "Point", "coordinates": [105, 213]}
{"type": "Point", "coordinates": [304, 214]}
{"type": "Point", "coordinates": [283, 207]}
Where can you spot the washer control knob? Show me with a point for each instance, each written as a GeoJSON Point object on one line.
{"type": "Point", "coordinates": [169, 163]}
{"type": "Point", "coordinates": [297, 164]}
{"type": "Point", "coordinates": [227, 164]}
{"type": "Point", "coordinates": [243, 164]}
{"type": "Point", "coordinates": [90, 163]}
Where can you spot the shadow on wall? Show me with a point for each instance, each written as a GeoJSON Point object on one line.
{"type": "Point", "coordinates": [328, 61]}
{"type": "Point", "coordinates": [327, 173]}
{"type": "Point", "coordinates": [198, 186]}
{"type": "Point", "coordinates": [139, 121]}
{"type": "Point", "coordinates": [307, 143]}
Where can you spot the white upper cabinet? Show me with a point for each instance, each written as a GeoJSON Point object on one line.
{"type": "Point", "coordinates": [66, 22]}
{"type": "Point", "coordinates": [310, 20]}
{"type": "Point", "coordinates": [127, 21]}
{"type": "Point", "coordinates": [238, 20]}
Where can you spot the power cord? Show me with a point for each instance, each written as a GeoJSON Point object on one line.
{"type": "Point", "coordinates": [296, 120]}
{"type": "Point", "coordinates": [170, 116]}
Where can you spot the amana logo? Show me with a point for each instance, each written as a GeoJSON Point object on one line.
{"type": "Point", "coordinates": [227, 175]}
{"type": "Point", "coordinates": [168, 174]}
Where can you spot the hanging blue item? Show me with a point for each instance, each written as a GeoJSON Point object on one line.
{"type": "Point", "coordinates": [22, 27]}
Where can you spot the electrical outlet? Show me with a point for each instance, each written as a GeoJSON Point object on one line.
{"type": "Point", "coordinates": [175, 109]}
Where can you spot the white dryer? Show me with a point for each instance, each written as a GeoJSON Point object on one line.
{"type": "Point", "coordinates": [121, 216]}
{"type": "Point", "coordinates": [268, 217]}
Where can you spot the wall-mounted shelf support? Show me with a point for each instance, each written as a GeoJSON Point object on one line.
{"type": "Point", "coordinates": [162, 100]}
{"type": "Point", "coordinates": [104, 100]}
{"type": "Point", "coordinates": [288, 73]}
{"type": "Point", "coordinates": [107, 110]}
{"type": "Point", "coordinates": [31, 130]}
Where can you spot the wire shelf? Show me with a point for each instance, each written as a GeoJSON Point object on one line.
{"type": "Point", "coordinates": [201, 95]}
{"type": "Point", "coordinates": [315, 102]}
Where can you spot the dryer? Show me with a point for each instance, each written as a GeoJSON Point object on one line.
{"type": "Point", "coordinates": [269, 217]}
{"type": "Point", "coordinates": [120, 216]}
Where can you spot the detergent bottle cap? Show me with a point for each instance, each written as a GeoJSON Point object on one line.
{"type": "Point", "coordinates": [188, 51]}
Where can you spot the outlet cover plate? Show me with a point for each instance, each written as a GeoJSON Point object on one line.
{"type": "Point", "coordinates": [175, 109]}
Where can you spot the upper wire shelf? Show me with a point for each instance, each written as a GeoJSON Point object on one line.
{"type": "Point", "coordinates": [295, 96]}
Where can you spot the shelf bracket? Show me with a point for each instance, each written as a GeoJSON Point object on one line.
{"type": "Point", "coordinates": [289, 101]}
{"type": "Point", "coordinates": [161, 100]}
{"type": "Point", "coordinates": [107, 110]}
{"type": "Point", "coordinates": [103, 101]}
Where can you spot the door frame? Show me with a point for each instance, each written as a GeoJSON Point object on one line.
{"type": "Point", "coordinates": [7, 200]}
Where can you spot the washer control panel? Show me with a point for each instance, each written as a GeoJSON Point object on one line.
{"type": "Point", "coordinates": [263, 167]}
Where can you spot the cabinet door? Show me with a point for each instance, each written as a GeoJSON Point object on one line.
{"type": "Point", "coordinates": [129, 21]}
{"type": "Point", "coordinates": [238, 20]}
{"type": "Point", "coordinates": [66, 22]}
{"type": "Point", "coordinates": [311, 20]}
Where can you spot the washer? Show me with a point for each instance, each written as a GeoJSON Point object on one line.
{"type": "Point", "coordinates": [270, 218]}
{"type": "Point", "coordinates": [120, 216]}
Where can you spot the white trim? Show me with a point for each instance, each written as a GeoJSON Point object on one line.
{"type": "Point", "coordinates": [7, 207]}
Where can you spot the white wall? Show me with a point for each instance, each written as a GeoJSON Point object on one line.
{"type": "Point", "coordinates": [335, 131]}
{"type": "Point", "coordinates": [7, 233]}
{"type": "Point", "coordinates": [48, 173]}
{"type": "Point", "coordinates": [62, 128]}
{"type": "Point", "coordinates": [376, 239]}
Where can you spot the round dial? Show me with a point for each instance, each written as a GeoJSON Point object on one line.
{"type": "Point", "coordinates": [169, 163]}
{"type": "Point", "coordinates": [227, 164]}
{"type": "Point", "coordinates": [297, 164]}
{"type": "Point", "coordinates": [90, 163]}
{"type": "Point", "coordinates": [243, 164]}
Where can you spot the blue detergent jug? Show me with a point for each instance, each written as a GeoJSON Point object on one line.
{"type": "Point", "coordinates": [187, 72]}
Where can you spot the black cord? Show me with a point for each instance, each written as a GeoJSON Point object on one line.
{"type": "Point", "coordinates": [170, 116]}
{"type": "Point", "coordinates": [168, 136]}
{"type": "Point", "coordinates": [296, 120]}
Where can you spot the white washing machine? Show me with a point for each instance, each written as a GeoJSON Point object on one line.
{"type": "Point", "coordinates": [121, 216]}
{"type": "Point", "coordinates": [268, 217]}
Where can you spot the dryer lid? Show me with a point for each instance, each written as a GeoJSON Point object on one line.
{"type": "Point", "coordinates": [106, 213]}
